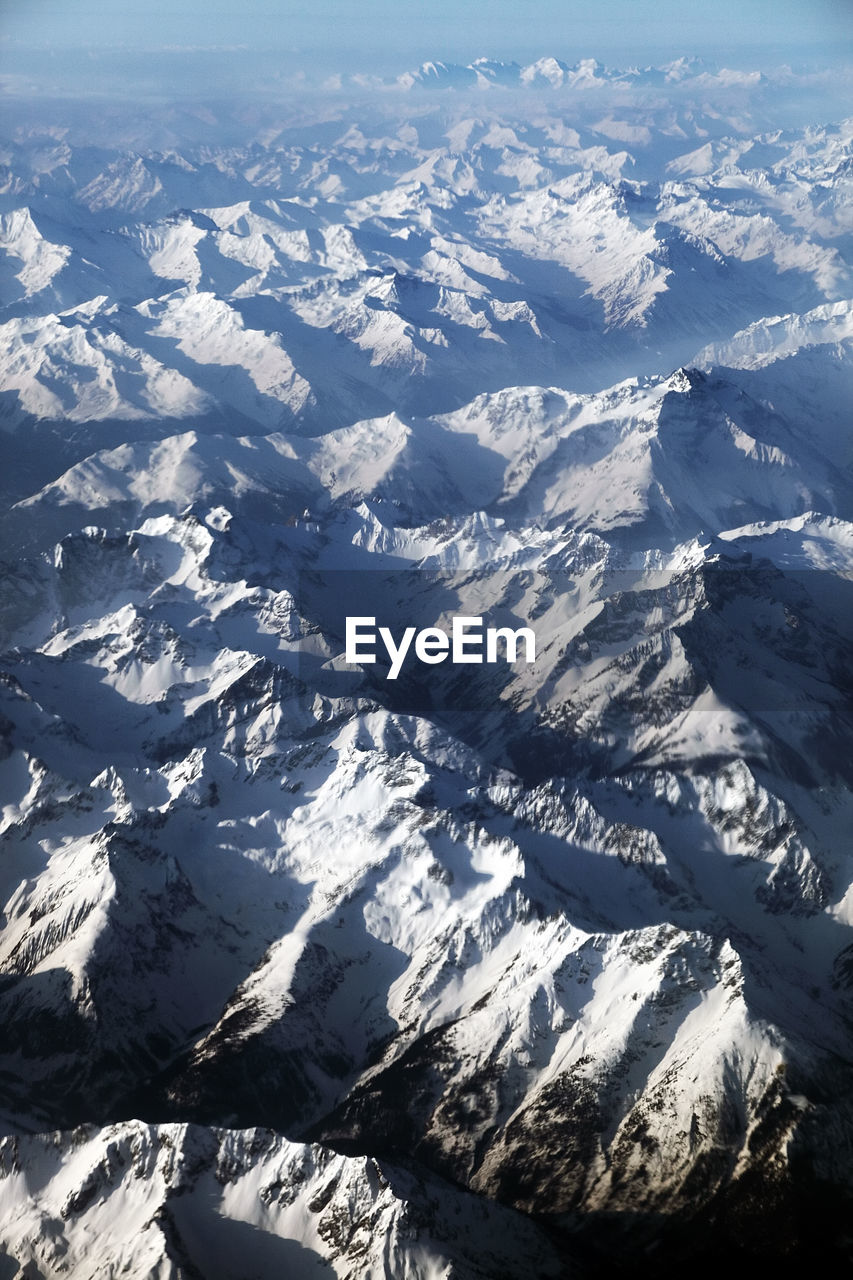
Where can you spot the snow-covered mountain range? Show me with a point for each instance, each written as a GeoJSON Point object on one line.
{"type": "Point", "coordinates": [532, 970]}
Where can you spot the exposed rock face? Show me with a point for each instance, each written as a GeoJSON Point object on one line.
{"type": "Point", "coordinates": [498, 970]}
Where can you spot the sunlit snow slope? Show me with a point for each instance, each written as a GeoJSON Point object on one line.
{"type": "Point", "coordinates": [497, 971]}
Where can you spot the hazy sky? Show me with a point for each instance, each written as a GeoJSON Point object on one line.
{"type": "Point", "coordinates": [422, 25]}
{"type": "Point", "coordinates": [68, 39]}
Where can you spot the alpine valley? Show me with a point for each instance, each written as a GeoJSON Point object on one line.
{"type": "Point", "coordinates": [487, 972]}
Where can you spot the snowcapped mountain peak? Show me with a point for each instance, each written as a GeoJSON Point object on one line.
{"type": "Point", "coordinates": [549, 69]}
{"type": "Point", "coordinates": [318, 961]}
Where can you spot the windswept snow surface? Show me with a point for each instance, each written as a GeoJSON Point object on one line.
{"type": "Point", "coordinates": [488, 971]}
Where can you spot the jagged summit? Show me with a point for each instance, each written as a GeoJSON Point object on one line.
{"type": "Point", "coordinates": [307, 970]}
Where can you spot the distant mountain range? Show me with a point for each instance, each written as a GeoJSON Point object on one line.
{"type": "Point", "coordinates": [483, 972]}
